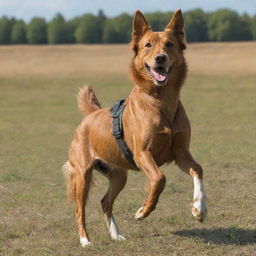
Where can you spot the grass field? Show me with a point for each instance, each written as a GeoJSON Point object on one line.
{"type": "Point", "coordinates": [38, 114]}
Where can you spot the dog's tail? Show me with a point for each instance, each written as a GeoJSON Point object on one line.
{"type": "Point", "coordinates": [69, 174]}
{"type": "Point", "coordinates": [87, 100]}
{"type": "Point", "coordinates": [73, 179]}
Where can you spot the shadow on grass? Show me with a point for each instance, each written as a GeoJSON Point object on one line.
{"type": "Point", "coordinates": [220, 236]}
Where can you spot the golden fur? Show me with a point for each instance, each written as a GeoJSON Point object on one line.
{"type": "Point", "coordinates": [156, 127]}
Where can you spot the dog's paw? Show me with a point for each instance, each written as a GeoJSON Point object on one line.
{"type": "Point", "coordinates": [84, 241]}
{"type": "Point", "coordinates": [139, 215]}
{"type": "Point", "coordinates": [199, 215]}
{"type": "Point", "coordinates": [119, 238]}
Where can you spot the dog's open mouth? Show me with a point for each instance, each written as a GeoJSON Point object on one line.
{"type": "Point", "coordinates": [159, 74]}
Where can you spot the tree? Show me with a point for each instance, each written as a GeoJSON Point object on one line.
{"type": "Point", "coordinates": [118, 29]}
{"type": "Point", "coordinates": [89, 30]}
{"type": "Point", "coordinates": [5, 30]}
{"type": "Point", "coordinates": [221, 25]}
{"type": "Point", "coordinates": [226, 25]}
{"type": "Point", "coordinates": [72, 26]}
{"type": "Point", "coordinates": [57, 31]}
{"type": "Point", "coordinates": [37, 31]}
{"type": "Point", "coordinates": [19, 33]}
{"type": "Point", "coordinates": [102, 19]}
{"type": "Point", "coordinates": [158, 20]}
{"type": "Point", "coordinates": [253, 27]}
{"type": "Point", "coordinates": [123, 25]}
{"type": "Point", "coordinates": [110, 34]}
{"type": "Point", "coordinates": [246, 22]}
{"type": "Point", "coordinates": [196, 26]}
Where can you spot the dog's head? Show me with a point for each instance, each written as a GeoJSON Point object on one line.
{"type": "Point", "coordinates": [158, 55]}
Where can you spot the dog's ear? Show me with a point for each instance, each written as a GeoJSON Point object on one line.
{"type": "Point", "coordinates": [140, 27]}
{"type": "Point", "coordinates": [176, 27]}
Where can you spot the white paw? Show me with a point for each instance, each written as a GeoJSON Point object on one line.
{"type": "Point", "coordinates": [139, 214]}
{"type": "Point", "coordinates": [199, 211]}
{"type": "Point", "coordinates": [84, 241]}
{"type": "Point", "coordinates": [119, 238]}
{"type": "Point", "coordinates": [114, 230]}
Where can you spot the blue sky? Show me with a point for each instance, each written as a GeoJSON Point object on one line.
{"type": "Point", "coordinates": [26, 9]}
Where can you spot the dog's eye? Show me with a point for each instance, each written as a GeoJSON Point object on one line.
{"type": "Point", "coordinates": [169, 45]}
{"type": "Point", "coordinates": [148, 45]}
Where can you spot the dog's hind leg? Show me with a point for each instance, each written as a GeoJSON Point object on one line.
{"type": "Point", "coordinates": [117, 178]}
{"type": "Point", "coordinates": [83, 183]}
{"type": "Point", "coordinates": [78, 186]}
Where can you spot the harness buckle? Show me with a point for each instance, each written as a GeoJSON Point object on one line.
{"type": "Point", "coordinates": [117, 134]}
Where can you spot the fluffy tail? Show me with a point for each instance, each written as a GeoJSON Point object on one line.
{"type": "Point", "coordinates": [74, 181]}
{"type": "Point", "coordinates": [70, 175]}
{"type": "Point", "coordinates": [87, 100]}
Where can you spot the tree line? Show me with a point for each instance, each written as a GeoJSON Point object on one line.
{"type": "Point", "coordinates": [220, 25]}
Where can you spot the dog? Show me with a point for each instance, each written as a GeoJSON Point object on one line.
{"type": "Point", "coordinates": [156, 128]}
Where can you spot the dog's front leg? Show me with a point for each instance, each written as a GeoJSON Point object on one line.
{"type": "Point", "coordinates": [145, 162]}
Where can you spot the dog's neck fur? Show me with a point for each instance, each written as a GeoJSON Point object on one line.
{"type": "Point", "coordinates": [162, 98]}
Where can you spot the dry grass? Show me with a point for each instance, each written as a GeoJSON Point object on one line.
{"type": "Point", "coordinates": [77, 60]}
{"type": "Point", "coordinates": [38, 114]}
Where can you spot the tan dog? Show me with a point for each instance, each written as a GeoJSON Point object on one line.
{"type": "Point", "coordinates": [156, 128]}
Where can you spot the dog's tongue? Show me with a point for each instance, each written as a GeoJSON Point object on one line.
{"type": "Point", "coordinates": [157, 76]}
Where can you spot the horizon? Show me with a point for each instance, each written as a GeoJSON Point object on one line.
{"type": "Point", "coordinates": [48, 9]}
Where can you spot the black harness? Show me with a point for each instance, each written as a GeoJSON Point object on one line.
{"type": "Point", "coordinates": [118, 131]}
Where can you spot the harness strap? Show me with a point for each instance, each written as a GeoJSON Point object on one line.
{"type": "Point", "coordinates": [117, 114]}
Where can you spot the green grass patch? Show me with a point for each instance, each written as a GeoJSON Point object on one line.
{"type": "Point", "coordinates": [38, 117]}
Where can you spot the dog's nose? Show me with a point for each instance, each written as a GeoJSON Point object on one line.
{"type": "Point", "coordinates": [160, 58]}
